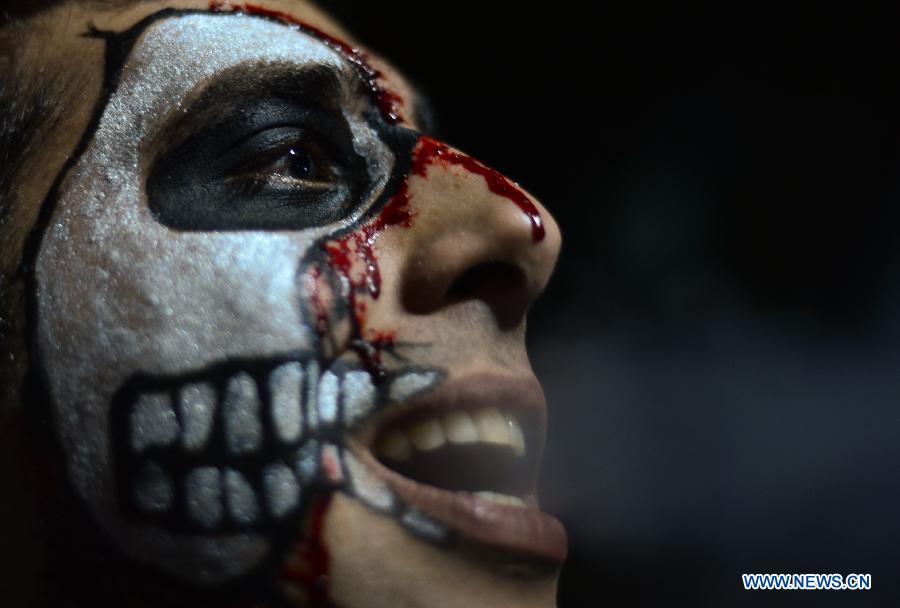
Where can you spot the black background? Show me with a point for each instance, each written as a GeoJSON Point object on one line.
{"type": "Point", "coordinates": [720, 342]}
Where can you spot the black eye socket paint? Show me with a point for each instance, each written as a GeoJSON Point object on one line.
{"type": "Point", "coordinates": [198, 411]}
{"type": "Point", "coordinates": [213, 179]}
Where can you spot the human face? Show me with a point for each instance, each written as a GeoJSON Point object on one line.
{"type": "Point", "coordinates": [280, 330]}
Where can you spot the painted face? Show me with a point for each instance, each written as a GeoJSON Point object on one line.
{"type": "Point", "coordinates": [258, 285]}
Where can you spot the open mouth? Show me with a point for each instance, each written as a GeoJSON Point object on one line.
{"type": "Point", "coordinates": [467, 454]}
{"type": "Point", "coordinates": [241, 447]}
{"type": "Point", "coordinates": [479, 450]}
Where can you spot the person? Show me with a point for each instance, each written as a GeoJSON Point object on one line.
{"type": "Point", "coordinates": [263, 335]}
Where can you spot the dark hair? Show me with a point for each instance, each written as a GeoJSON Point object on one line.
{"type": "Point", "coordinates": [15, 10]}
{"type": "Point", "coordinates": [27, 108]}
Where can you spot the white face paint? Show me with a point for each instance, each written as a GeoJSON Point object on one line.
{"type": "Point", "coordinates": [186, 390]}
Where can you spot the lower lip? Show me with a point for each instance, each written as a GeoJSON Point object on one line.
{"type": "Point", "coordinates": [525, 531]}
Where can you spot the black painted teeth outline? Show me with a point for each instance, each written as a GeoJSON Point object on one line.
{"type": "Point", "coordinates": [302, 456]}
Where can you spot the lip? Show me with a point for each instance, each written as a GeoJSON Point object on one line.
{"type": "Point", "coordinates": [524, 530]}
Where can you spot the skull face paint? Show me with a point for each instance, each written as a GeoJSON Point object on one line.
{"type": "Point", "coordinates": [220, 348]}
{"type": "Point", "coordinates": [191, 393]}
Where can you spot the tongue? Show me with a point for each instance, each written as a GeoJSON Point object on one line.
{"type": "Point", "coordinates": [470, 468]}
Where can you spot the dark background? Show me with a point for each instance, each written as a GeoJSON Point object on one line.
{"type": "Point", "coordinates": [721, 342]}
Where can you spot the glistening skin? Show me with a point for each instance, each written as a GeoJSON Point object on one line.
{"type": "Point", "coordinates": [277, 329]}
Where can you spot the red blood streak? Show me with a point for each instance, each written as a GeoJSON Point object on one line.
{"type": "Point", "coordinates": [431, 151]}
{"type": "Point", "coordinates": [386, 338]}
{"type": "Point", "coordinates": [319, 309]}
{"type": "Point", "coordinates": [387, 101]}
{"type": "Point", "coordinates": [358, 246]}
{"type": "Point", "coordinates": [312, 565]}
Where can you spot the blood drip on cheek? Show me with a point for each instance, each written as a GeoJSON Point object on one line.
{"type": "Point", "coordinates": [319, 309]}
{"type": "Point", "coordinates": [310, 563]}
{"type": "Point", "coordinates": [387, 101]}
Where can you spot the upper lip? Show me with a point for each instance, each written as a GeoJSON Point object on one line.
{"type": "Point", "coordinates": [517, 529]}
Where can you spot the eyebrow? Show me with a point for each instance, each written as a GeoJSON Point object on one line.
{"type": "Point", "coordinates": [314, 84]}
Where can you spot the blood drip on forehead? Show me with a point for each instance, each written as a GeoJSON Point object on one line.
{"type": "Point", "coordinates": [387, 101]}
{"type": "Point", "coordinates": [356, 249]}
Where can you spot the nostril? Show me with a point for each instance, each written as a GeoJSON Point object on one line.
{"type": "Point", "coordinates": [501, 285]}
{"type": "Point", "coordinates": [488, 277]}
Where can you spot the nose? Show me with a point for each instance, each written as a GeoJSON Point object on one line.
{"type": "Point", "coordinates": [477, 236]}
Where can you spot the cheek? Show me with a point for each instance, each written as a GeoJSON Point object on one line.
{"type": "Point", "coordinates": [118, 295]}
{"type": "Point", "coordinates": [150, 299]}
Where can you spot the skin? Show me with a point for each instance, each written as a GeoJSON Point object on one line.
{"type": "Point", "coordinates": [373, 560]}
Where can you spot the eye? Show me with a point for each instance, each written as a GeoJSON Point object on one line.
{"type": "Point", "coordinates": [287, 168]}
{"type": "Point", "coordinates": [298, 162]}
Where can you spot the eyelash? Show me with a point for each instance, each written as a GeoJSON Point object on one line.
{"type": "Point", "coordinates": [301, 156]}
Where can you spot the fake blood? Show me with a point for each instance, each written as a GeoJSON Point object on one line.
{"type": "Point", "coordinates": [312, 564]}
{"type": "Point", "coordinates": [358, 246]}
{"type": "Point", "coordinates": [388, 102]}
{"type": "Point", "coordinates": [432, 151]}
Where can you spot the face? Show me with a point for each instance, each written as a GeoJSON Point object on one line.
{"type": "Point", "coordinates": [279, 329]}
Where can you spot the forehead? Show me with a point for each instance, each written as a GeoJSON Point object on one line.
{"type": "Point", "coordinates": [176, 53]}
{"type": "Point", "coordinates": [62, 45]}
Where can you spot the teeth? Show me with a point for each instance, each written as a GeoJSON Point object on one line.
{"type": "Point", "coordinates": [243, 429]}
{"type": "Point", "coordinates": [395, 446]}
{"type": "Point", "coordinates": [491, 426]}
{"type": "Point", "coordinates": [366, 486]}
{"type": "Point", "coordinates": [407, 385]}
{"type": "Point", "coordinates": [460, 428]}
{"type": "Point", "coordinates": [285, 384]}
{"type": "Point", "coordinates": [153, 421]}
{"type": "Point", "coordinates": [516, 437]}
{"type": "Point", "coordinates": [282, 490]}
{"type": "Point", "coordinates": [312, 387]}
{"type": "Point", "coordinates": [328, 398]}
{"type": "Point", "coordinates": [427, 435]}
{"type": "Point", "coordinates": [306, 461]}
{"type": "Point", "coordinates": [197, 404]}
{"type": "Point", "coordinates": [240, 497]}
{"type": "Point", "coordinates": [422, 525]}
{"type": "Point", "coordinates": [153, 490]}
{"type": "Point", "coordinates": [203, 488]}
{"type": "Point", "coordinates": [502, 499]}
{"type": "Point", "coordinates": [359, 396]}
{"type": "Point", "coordinates": [257, 463]}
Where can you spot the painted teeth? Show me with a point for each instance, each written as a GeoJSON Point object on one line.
{"type": "Point", "coordinates": [153, 421]}
{"type": "Point", "coordinates": [203, 487]}
{"type": "Point", "coordinates": [285, 384]}
{"type": "Point", "coordinates": [282, 490]}
{"type": "Point", "coordinates": [253, 439]}
{"type": "Point", "coordinates": [242, 504]}
{"type": "Point", "coordinates": [299, 399]}
{"type": "Point", "coordinates": [243, 427]}
{"type": "Point", "coordinates": [197, 405]}
{"type": "Point", "coordinates": [489, 426]}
